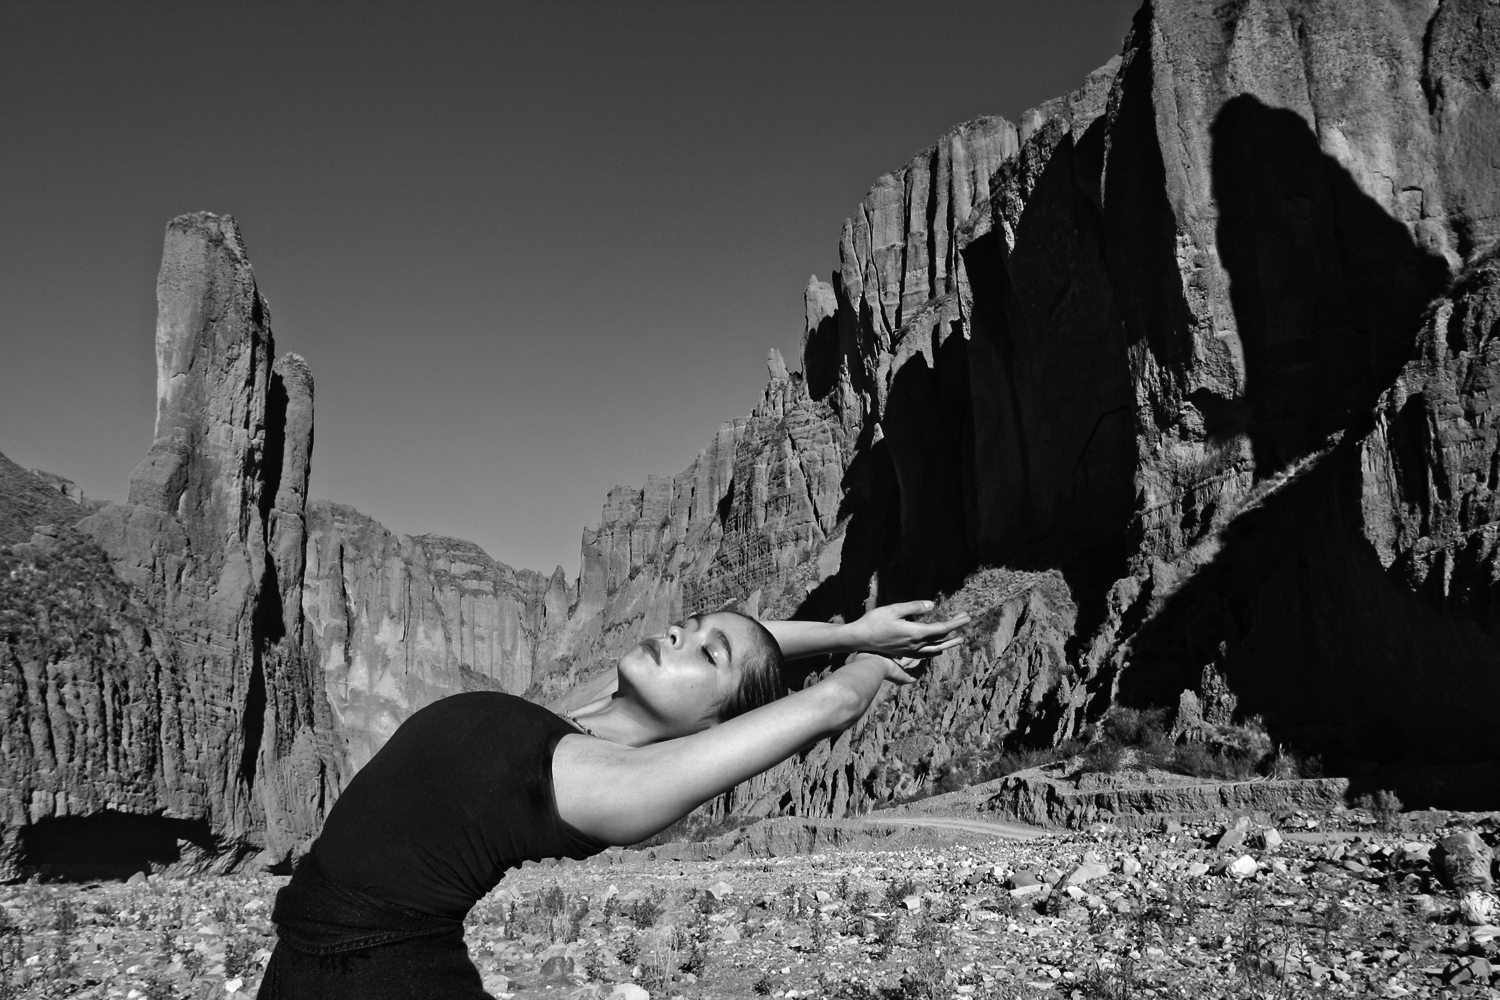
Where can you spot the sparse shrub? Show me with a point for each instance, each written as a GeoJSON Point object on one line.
{"type": "Point", "coordinates": [224, 912]}
{"type": "Point", "coordinates": [594, 967]}
{"type": "Point", "coordinates": [887, 929]}
{"type": "Point", "coordinates": [895, 892]}
{"type": "Point", "coordinates": [64, 917]}
{"type": "Point", "coordinates": [697, 957]}
{"type": "Point", "coordinates": [629, 951]}
{"type": "Point", "coordinates": [1104, 758]}
{"type": "Point", "coordinates": [763, 986]}
{"type": "Point", "coordinates": [1330, 921]}
{"type": "Point", "coordinates": [1115, 983]}
{"type": "Point", "coordinates": [662, 960]}
{"type": "Point", "coordinates": [576, 917]}
{"type": "Point", "coordinates": [644, 911]}
{"type": "Point", "coordinates": [239, 954]}
{"type": "Point", "coordinates": [157, 988]}
{"type": "Point", "coordinates": [1384, 806]}
{"type": "Point", "coordinates": [193, 963]}
{"type": "Point", "coordinates": [927, 982]}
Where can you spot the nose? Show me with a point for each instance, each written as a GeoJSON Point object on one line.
{"type": "Point", "coordinates": [674, 635]}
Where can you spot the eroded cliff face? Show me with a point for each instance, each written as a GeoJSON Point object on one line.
{"type": "Point", "coordinates": [175, 712]}
{"type": "Point", "coordinates": [1160, 376]}
{"type": "Point", "coordinates": [397, 622]}
{"type": "Point", "coordinates": [1191, 366]}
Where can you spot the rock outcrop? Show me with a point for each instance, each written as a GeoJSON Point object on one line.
{"type": "Point", "coordinates": [1054, 796]}
{"type": "Point", "coordinates": [1191, 367]}
{"type": "Point", "coordinates": [30, 499]}
{"type": "Point", "coordinates": [177, 711]}
{"type": "Point", "coordinates": [1176, 375]}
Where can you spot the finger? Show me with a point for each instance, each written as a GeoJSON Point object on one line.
{"type": "Point", "coordinates": [936, 648]}
{"type": "Point", "coordinates": [936, 628]}
{"type": "Point", "coordinates": [908, 608]}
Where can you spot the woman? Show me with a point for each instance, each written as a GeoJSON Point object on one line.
{"type": "Point", "coordinates": [476, 783]}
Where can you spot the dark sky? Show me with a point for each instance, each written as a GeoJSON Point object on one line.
{"type": "Point", "coordinates": [530, 251]}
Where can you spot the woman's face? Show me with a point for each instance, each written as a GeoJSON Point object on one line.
{"type": "Point", "coordinates": [682, 676]}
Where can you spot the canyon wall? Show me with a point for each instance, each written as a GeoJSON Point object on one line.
{"type": "Point", "coordinates": [1189, 367]}
{"type": "Point", "coordinates": [155, 696]}
{"type": "Point", "coordinates": [1180, 387]}
{"type": "Point", "coordinates": [396, 623]}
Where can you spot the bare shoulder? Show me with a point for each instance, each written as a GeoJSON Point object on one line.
{"type": "Point", "coordinates": [580, 760]}
{"type": "Point", "coordinates": [588, 775]}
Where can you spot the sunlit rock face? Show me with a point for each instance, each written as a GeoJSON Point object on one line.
{"type": "Point", "coordinates": [1157, 356]}
{"type": "Point", "coordinates": [396, 623]}
{"type": "Point", "coordinates": [1191, 366]}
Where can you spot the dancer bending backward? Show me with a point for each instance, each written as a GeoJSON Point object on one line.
{"type": "Point", "coordinates": [476, 783]}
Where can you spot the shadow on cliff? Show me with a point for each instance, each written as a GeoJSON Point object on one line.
{"type": "Point", "coordinates": [1012, 442]}
{"type": "Point", "coordinates": [1388, 686]}
{"type": "Point", "coordinates": [1328, 290]}
{"type": "Point", "coordinates": [108, 844]}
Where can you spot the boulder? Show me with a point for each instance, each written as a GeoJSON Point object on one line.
{"type": "Point", "coordinates": [1463, 861]}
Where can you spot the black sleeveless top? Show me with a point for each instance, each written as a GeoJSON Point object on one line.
{"type": "Point", "coordinates": [460, 794]}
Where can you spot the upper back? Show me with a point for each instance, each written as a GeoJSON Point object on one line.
{"type": "Point", "coordinates": [460, 793]}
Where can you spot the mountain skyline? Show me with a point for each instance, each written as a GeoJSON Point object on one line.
{"type": "Point", "coordinates": [528, 253]}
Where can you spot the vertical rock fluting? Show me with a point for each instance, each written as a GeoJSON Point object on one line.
{"type": "Point", "coordinates": [196, 707]}
{"type": "Point", "coordinates": [1160, 372]}
{"type": "Point", "coordinates": [1174, 372]}
{"type": "Point", "coordinates": [395, 623]}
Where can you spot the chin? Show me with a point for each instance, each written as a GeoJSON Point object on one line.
{"type": "Point", "coordinates": [633, 661]}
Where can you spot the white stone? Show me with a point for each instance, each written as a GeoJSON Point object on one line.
{"type": "Point", "coordinates": [629, 991]}
{"type": "Point", "coordinates": [1242, 867]}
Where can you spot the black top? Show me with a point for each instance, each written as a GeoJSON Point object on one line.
{"type": "Point", "coordinates": [460, 794]}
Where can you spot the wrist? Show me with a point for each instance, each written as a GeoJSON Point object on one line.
{"type": "Point", "coordinates": [852, 637]}
{"type": "Point", "coordinates": [861, 678]}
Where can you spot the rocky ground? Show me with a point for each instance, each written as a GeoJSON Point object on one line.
{"type": "Point", "coordinates": [1341, 907]}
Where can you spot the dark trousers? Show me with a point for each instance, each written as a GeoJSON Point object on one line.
{"type": "Point", "coordinates": [335, 942]}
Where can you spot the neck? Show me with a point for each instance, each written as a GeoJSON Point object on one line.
{"type": "Point", "coordinates": [623, 721]}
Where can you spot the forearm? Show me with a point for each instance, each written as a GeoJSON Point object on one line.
{"type": "Point", "coordinates": [798, 639]}
{"type": "Point", "coordinates": [623, 795]}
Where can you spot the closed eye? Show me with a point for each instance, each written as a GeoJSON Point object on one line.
{"type": "Point", "coordinates": [709, 655]}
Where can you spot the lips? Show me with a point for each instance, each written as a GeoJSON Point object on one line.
{"type": "Point", "coordinates": [653, 647]}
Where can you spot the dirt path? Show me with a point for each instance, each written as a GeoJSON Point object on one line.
{"type": "Point", "coordinates": [1010, 831]}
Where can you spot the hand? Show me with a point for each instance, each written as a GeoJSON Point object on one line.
{"type": "Point", "coordinates": [886, 631]}
{"type": "Point", "coordinates": [901, 669]}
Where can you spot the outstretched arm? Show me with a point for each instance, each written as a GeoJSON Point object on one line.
{"type": "Point", "coordinates": [882, 630]}
{"type": "Point", "coordinates": [622, 795]}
